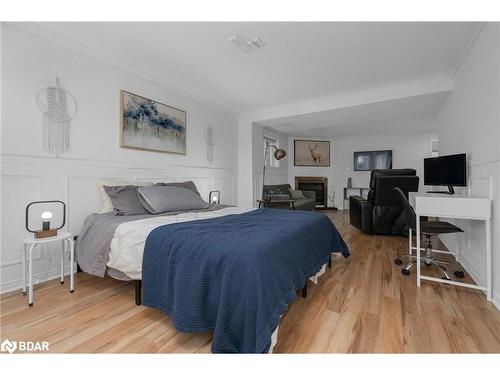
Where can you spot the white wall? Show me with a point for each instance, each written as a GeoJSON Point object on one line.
{"type": "Point", "coordinates": [408, 151]}
{"type": "Point", "coordinates": [274, 175]}
{"type": "Point", "coordinates": [294, 171]}
{"type": "Point", "coordinates": [469, 121]}
{"type": "Point", "coordinates": [28, 173]}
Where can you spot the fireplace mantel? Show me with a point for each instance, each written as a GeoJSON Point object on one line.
{"type": "Point", "coordinates": [317, 184]}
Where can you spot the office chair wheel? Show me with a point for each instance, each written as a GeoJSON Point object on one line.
{"type": "Point", "coordinates": [405, 272]}
{"type": "Point", "coordinates": [460, 274]}
{"type": "Point", "coordinates": [398, 261]}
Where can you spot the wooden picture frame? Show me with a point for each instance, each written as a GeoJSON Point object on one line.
{"type": "Point", "coordinates": [148, 125]}
{"type": "Point", "coordinates": [311, 153]}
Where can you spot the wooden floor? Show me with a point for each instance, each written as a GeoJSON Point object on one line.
{"type": "Point", "coordinates": [362, 305]}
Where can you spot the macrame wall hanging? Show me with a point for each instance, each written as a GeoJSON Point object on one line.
{"type": "Point", "coordinates": [58, 108]}
{"type": "Point", "coordinates": [211, 139]}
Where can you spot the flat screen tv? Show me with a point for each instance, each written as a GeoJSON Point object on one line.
{"type": "Point", "coordinates": [370, 160]}
{"type": "Point", "coordinates": [449, 170]}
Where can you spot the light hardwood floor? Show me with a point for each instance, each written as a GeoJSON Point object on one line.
{"type": "Point", "coordinates": [362, 305]}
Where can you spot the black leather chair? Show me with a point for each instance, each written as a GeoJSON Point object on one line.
{"type": "Point", "coordinates": [382, 211]}
{"type": "Point", "coordinates": [428, 229]}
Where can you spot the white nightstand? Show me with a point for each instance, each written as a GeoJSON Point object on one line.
{"type": "Point", "coordinates": [33, 242]}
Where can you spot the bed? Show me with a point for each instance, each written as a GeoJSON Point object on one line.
{"type": "Point", "coordinates": [228, 270]}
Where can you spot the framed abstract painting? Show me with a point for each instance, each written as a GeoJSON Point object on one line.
{"type": "Point", "coordinates": [310, 153]}
{"type": "Point", "coordinates": [148, 125]}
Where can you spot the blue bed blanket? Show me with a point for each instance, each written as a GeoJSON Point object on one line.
{"type": "Point", "coordinates": [234, 275]}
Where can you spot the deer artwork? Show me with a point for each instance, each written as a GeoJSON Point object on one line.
{"type": "Point", "coordinates": [315, 154]}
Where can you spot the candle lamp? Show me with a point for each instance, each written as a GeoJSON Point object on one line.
{"type": "Point", "coordinates": [46, 230]}
{"type": "Point", "coordinates": [214, 197]}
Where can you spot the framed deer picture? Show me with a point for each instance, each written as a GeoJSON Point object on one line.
{"type": "Point", "coordinates": [310, 153]}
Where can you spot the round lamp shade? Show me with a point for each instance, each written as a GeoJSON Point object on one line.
{"type": "Point", "coordinates": [47, 215]}
{"type": "Point", "coordinates": [279, 154]}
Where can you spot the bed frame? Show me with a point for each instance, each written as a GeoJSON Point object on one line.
{"type": "Point", "coordinates": [138, 287]}
{"type": "Point", "coordinates": [138, 292]}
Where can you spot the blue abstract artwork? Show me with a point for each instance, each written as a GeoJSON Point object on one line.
{"type": "Point", "coordinates": [152, 126]}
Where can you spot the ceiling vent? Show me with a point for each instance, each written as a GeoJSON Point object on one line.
{"type": "Point", "coordinates": [245, 46]}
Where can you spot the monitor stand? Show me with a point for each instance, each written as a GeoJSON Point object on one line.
{"type": "Point", "coordinates": [450, 191]}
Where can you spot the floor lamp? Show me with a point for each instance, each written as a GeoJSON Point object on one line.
{"type": "Point", "coordinates": [279, 154]}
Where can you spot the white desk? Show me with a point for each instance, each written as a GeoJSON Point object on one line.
{"type": "Point", "coordinates": [454, 206]}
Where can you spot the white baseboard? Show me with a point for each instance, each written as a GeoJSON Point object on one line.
{"type": "Point", "coordinates": [496, 300]}
{"type": "Point", "coordinates": [38, 278]}
{"type": "Point", "coordinates": [478, 279]}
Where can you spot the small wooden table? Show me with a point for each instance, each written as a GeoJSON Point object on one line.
{"type": "Point", "coordinates": [269, 203]}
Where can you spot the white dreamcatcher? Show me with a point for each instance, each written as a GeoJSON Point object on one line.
{"type": "Point", "coordinates": [210, 136]}
{"type": "Point", "coordinates": [58, 108]}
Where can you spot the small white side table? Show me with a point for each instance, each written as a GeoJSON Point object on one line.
{"type": "Point", "coordinates": [33, 242]}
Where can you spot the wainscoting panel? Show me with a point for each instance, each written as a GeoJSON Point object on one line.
{"type": "Point", "coordinates": [484, 181]}
{"type": "Point", "coordinates": [227, 187]}
{"type": "Point", "coordinates": [17, 192]}
{"type": "Point", "coordinates": [74, 181]}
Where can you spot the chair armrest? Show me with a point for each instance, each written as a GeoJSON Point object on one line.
{"type": "Point", "coordinates": [309, 194]}
{"type": "Point", "coordinates": [360, 213]}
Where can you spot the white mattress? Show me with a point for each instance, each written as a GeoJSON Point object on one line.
{"type": "Point", "coordinates": [127, 245]}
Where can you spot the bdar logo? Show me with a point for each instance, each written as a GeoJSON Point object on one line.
{"type": "Point", "coordinates": [8, 346]}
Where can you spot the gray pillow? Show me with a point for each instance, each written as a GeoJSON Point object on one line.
{"type": "Point", "coordinates": [185, 184]}
{"type": "Point", "coordinates": [159, 199]}
{"type": "Point", "coordinates": [125, 200]}
{"type": "Point", "coordinates": [297, 194]}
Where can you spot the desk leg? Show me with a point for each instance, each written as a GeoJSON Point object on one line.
{"type": "Point", "coordinates": [418, 250]}
{"type": "Point", "coordinates": [62, 261]}
{"type": "Point", "coordinates": [30, 274]}
{"type": "Point", "coordinates": [72, 261]}
{"type": "Point", "coordinates": [24, 269]}
{"type": "Point", "coordinates": [488, 259]}
{"type": "Point", "coordinates": [409, 242]}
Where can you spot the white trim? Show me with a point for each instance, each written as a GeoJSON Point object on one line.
{"type": "Point", "coordinates": [467, 48]}
{"type": "Point", "coordinates": [400, 90]}
{"type": "Point", "coordinates": [12, 285]}
{"type": "Point", "coordinates": [8, 158]}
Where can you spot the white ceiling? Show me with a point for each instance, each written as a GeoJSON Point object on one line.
{"type": "Point", "coordinates": [300, 60]}
{"type": "Point", "coordinates": [396, 116]}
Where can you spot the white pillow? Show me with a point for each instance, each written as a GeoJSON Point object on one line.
{"type": "Point", "coordinates": [106, 204]}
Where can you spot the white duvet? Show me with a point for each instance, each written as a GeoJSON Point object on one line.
{"type": "Point", "coordinates": [127, 245]}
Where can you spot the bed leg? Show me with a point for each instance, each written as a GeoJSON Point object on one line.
{"type": "Point", "coordinates": [138, 290]}
{"type": "Point", "coordinates": [330, 261]}
{"type": "Point", "coordinates": [304, 290]}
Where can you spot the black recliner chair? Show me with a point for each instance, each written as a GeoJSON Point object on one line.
{"type": "Point", "coordinates": [382, 212]}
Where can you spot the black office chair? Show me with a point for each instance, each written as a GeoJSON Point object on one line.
{"type": "Point", "coordinates": [428, 229]}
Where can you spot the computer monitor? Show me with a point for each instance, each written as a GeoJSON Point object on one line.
{"type": "Point", "coordinates": [449, 170]}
